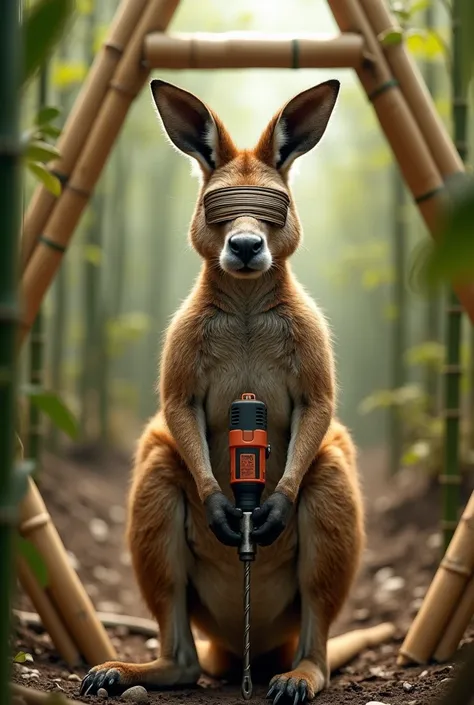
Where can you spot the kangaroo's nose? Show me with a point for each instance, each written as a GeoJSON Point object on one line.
{"type": "Point", "coordinates": [245, 246]}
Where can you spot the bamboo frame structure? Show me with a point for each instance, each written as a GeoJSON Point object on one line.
{"type": "Point", "coordinates": [232, 50]}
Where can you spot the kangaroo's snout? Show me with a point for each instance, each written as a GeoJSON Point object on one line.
{"type": "Point", "coordinates": [245, 247]}
{"type": "Point", "coordinates": [245, 254]}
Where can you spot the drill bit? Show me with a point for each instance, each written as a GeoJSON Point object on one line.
{"type": "Point", "coordinates": [247, 554]}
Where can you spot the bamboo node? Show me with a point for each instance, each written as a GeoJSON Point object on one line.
{"type": "Point", "coordinates": [129, 92]}
{"type": "Point", "coordinates": [429, 194]}
{"type": "Point", "coordinates": [61, 176]}
{"type": "Point", "coordinates": [114, 47]}
{"type": "Point", "coordinates": [37, 522]}
{"type": "Point", "coordinates": [392, 83]}
{"type": "Point", "coordinates": [450, 479]}
{"type": "Point", "coordinates": [453, 567]}
{"type": "Point", "coordinates": [295, 53]}
{"type": "Point", "coordinates": [455, 308]}
{"type": "Point", "coordinates": [52, 244]}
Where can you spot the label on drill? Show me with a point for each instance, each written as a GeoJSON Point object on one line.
{"type": "Point", "coordinates": [247, 465]}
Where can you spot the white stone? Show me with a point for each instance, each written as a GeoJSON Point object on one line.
{"type": "Point", "coordinates": [382, 575]}
{"type": "Point", "coordinates": [99, 529]}
{"type": "Point", "coordinates": [137, 694]}
{"type": "Point", "coordinates": [102, 693]}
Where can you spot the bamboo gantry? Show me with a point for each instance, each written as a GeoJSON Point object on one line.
{"type": "Point", "coordinates": [135, 44]}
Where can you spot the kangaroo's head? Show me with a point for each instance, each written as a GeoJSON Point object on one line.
{"type": "Point", "coordinates": [244, 245]}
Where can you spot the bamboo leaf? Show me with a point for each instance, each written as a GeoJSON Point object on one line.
{"type": "Point", "coordinates": [425, 44]}
{"type": "Point", "coordinates": [51, 405]}
{"type": "Point", "coordinates": [47, 114]}
{"type": "Point", "coordinates": [391, 36]}
{"type": "Point", "coordinates": [43, 26]}
{"type": "Point", "coordinates": [67, 73]}
{"type": "Point", "coordinates": [39, 151]}
{"type": "Point", "coordinates": [93, 254]}
{"type": "Point", "coordinates": [22, 657]}
{"type": "Point", "coordinates": [51, 130]}
{"type": "Point", "coordinates": [34, 559]}
{"type": "Point", "coordinates": [48, 180]}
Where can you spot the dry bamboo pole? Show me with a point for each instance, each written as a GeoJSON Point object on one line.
{"type": "Point", "coordinates": [231, 50]}
{"type": "Point", "coordinates": [343, 648]}
{"type": "Point", "coordinates": [36, 697]}
{"type": "Point", "coordinates": [401, 129]}
{"type": "Point", "coordinates": [413, 87]}
{"type": "Point", "coordinates": [81, 118]}
{"type": "Point", "coordinates": [71, 599]}
{"type": "Point", "coordinates": [48, 614]}
{"type": "Point", "coordinates": [457, 625]}
{"type": "Point", "coordinates": [443, 595]}
{"type": "Point", "coordinates": [127, 82]}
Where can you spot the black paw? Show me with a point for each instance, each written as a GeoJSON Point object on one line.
{"type": "Point", "coordinates": [223, 519]}
{"type": "Point", "coordinates": [103, 677]}
{"type": "Point", "coordinates": [271, 518]}
{"type": "Point", "coordinates": [288, 689]}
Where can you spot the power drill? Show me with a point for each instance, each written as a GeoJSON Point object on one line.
{"type": "Point", "coordinates": [249, 450]}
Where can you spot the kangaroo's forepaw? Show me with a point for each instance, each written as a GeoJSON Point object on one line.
{"type": "Point", "coordinates": [111, 675]}
{"type": "Point", "coordinates": [298, 686]}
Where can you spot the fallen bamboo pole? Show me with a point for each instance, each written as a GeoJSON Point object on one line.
{"type": "Point", "coordinates": [444, 593]}
{"type": "Point", "coordinates": [36, 697]}
{"type": "Point", "coordinates": [458, 623]}
{"type": "Point", "coordinates": [81, 118]}
{"type": "Point", "coordinates": [416, 94]}
{"type": "Point", "coordinates": [47, 613]}
{"type": "Point", "coordinates": [135, 625]}
{"type": "Point", "coordinates": [127, 82]}
{"type": "Point", "coordinates": [72, 601]}
{"type": "Point", "coordinates": [232, 50]}
{"type": "Point", "coordinates": [406, 140]}
{"type": "Point", "coordinates": [343, 648]}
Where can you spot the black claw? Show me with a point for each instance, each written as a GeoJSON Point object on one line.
{"type": "Point", "coordinates": [99, 681]}
{"type": "Point", "coordinates": [297, 697]}
{"type": "Point", "coordinates": [291, 687]}
{"type": "Point", "coordinates": [303, 690]}
{"type": "Point", "coordinates": [271, 689]}
{"type": "Point", "coordinates": [86, 682]}
{"type": "Point", "coordinates": [280, 693]}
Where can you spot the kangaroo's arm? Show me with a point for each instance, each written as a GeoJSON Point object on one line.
{"type": "Point", "coordinates": [182, 399]}
{"type": "Point", "coordinates": [314, 397]}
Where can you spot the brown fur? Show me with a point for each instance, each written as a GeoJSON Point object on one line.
{"type": "Point", "coordinates": [232, 335]}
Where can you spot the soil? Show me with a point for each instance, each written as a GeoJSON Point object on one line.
{"type": "Point", "coordinates": [86, 499]}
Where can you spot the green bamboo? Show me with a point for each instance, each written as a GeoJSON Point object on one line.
{"type": "Point", "coordinates": [37, 336]}
{"type": "Point", "coordinates": [452, 403]}
{"type": "Point", "coordinates": [10, 202]}
{"type": "Point", "coordinates": [399, 235]}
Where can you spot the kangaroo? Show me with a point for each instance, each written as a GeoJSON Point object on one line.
{"type": "Point", "coordinates": [247, 325]}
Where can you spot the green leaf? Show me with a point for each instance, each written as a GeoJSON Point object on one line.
{"type": "Point", "coordinates": [48, 180]}
{"type": "Point", "coordinates": [391, 36]}
{"type": "Point", "coordinates": [43, 26]}
{"type": "Point", "coordinates": [425, 44]}
{"type": "Point", "coordinates": [51, 130]}
{"type": "Point", "coordinates": [93, 254]}
{"type": "Point", "coordinates": [67, 73]}
{"type": "Point", "coordinates": [39, 151]}
{"type": "Point", "coordinates": [47, 114]}
{"type": "Point", "coordinates": [34, 559]}
{"type": "Point", "coordinates": [22, 657]}
{"type": "Point", "coordinates": [51, 405]}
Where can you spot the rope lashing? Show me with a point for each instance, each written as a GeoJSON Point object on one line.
{"type": "Point", "coordinates": [261, 202]}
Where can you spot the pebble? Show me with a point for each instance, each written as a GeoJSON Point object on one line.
{"type": "Point", "coordinates": [423, 674]}
{"type": "Point", "coordinates": [383, 574]}
{"type": "Point", "coordinates": [407, 687]}
{"type": "Point", "coordinates": [109, 606]}
{"type": "Point", "coordinates": [435, 540]}
{"type": "Point", "coordinates": [376, 702]}
{"type": "Point", "coordinates": [102, 693]}
{"type": "Point", "coordinates": [151, 643]}
{"type": "Point", "coordinates": [394, 583]}
{"type": "Point", "coordinates": [137, 694]}
{"type": "Point", "coordinates": [74, 677]}
{"type": "Point", "coordinates": [99, 529]}
{"type": "Point", "coordinates": [362, 614]}
{"type": "Point", "coordinates": [446, 680]}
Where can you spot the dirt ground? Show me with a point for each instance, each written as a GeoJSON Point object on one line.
{"type": "Point", "coordinates": [86, 501]}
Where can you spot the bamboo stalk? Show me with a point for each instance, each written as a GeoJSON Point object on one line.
{"type": "Point", "coordinates": [443, 595]}
{"type": "Point", "coordinates": [49, 616]}
{"type": "Point", "coordinates": [416, 94]}
{"type": "Point", "coordinates": [81, 118]}
{"type": "Point", "coordinates": [128, 80]}
{"type": "Point", "coordinates": [135, 625]}
{"type": "Point", "coordinates": [35, 697]}
{"type": "Point", "coordinates": [343, 648]}
{"type": "Point", "coordinates": [10, 216]}
{"type": "Point", "coordinates": [401, 129]}
{"type": "Point", "coordinates": [232, 50]}
{"type": "Point", "coordinates": [72, 601]}
{"type": "Point", "coordinates": [457, 625]}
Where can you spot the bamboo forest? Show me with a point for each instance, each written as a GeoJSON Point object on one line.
{"type": "Point", "coordinates": [223, 219]}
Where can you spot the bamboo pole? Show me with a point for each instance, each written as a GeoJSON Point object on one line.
{"type": "Point", "coordinates": [48, 614]}
{"type": "Point", "coordinates": [81, 118]}
{"type": "Point", "coordinates": [232, 50]}
{"type": "Point", "coordinates": [128, 80]}
{"type": "Point", "coordinates": [443, 595]}
{"type": "Point", "coordinates": [343, 648]}
{"type": "Point", "coordinates": [457, 625]}
{"type": "Point", "coordinates": [417, 96]}
{"type": "Point", "coordinates": [72, 601]}
{"type": "Point", "coordinates": [401, 129]}
{"type": "Point", "coordinates": [36, 697]}
{"type": "Point", "coordinates": [10, 203]}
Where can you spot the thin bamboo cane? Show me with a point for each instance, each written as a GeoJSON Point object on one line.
{"type": "Point", "coordinates": [10, 204]}
{"type": "Point", "coordinates": [231, 50]}
{"type": "Point", "coordinates": [414, 89]}
{"type": "Point", "coordinates": [401, 129]}
{"type": "Point", "coordinates": [81, 118]}
{"type": "Point", "coordinates": [49, 616]}
{"type": "Point", "coordinates": [345, 647]}
{"type": "Point", "coordinates": [128, 80]}
{"type": "Point", "coordinates": [71, 599]}
{"type": "Point", "coordinates": [35, 697]}
{"type": "Point", "coordinates": [457, 625]}
{"type": "Point", "coordinates": [443, 595]}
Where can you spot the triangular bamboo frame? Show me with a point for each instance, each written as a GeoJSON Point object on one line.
{"type": "Point", "coordinates": [135, 43]}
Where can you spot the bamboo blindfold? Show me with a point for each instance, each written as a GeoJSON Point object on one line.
{"type": "Point", "coordinates": [259, 202]}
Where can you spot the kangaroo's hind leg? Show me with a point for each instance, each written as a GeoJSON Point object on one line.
{"type": "Point", "coordinates": [330, 540]}
{"type": "Point", "coordinates": [160, 555]}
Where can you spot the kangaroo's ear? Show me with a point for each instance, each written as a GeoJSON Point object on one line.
{"type": "Point", "coordinates": [191, 126]}
{"type": "Point", "coordinates": [298, 127]}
